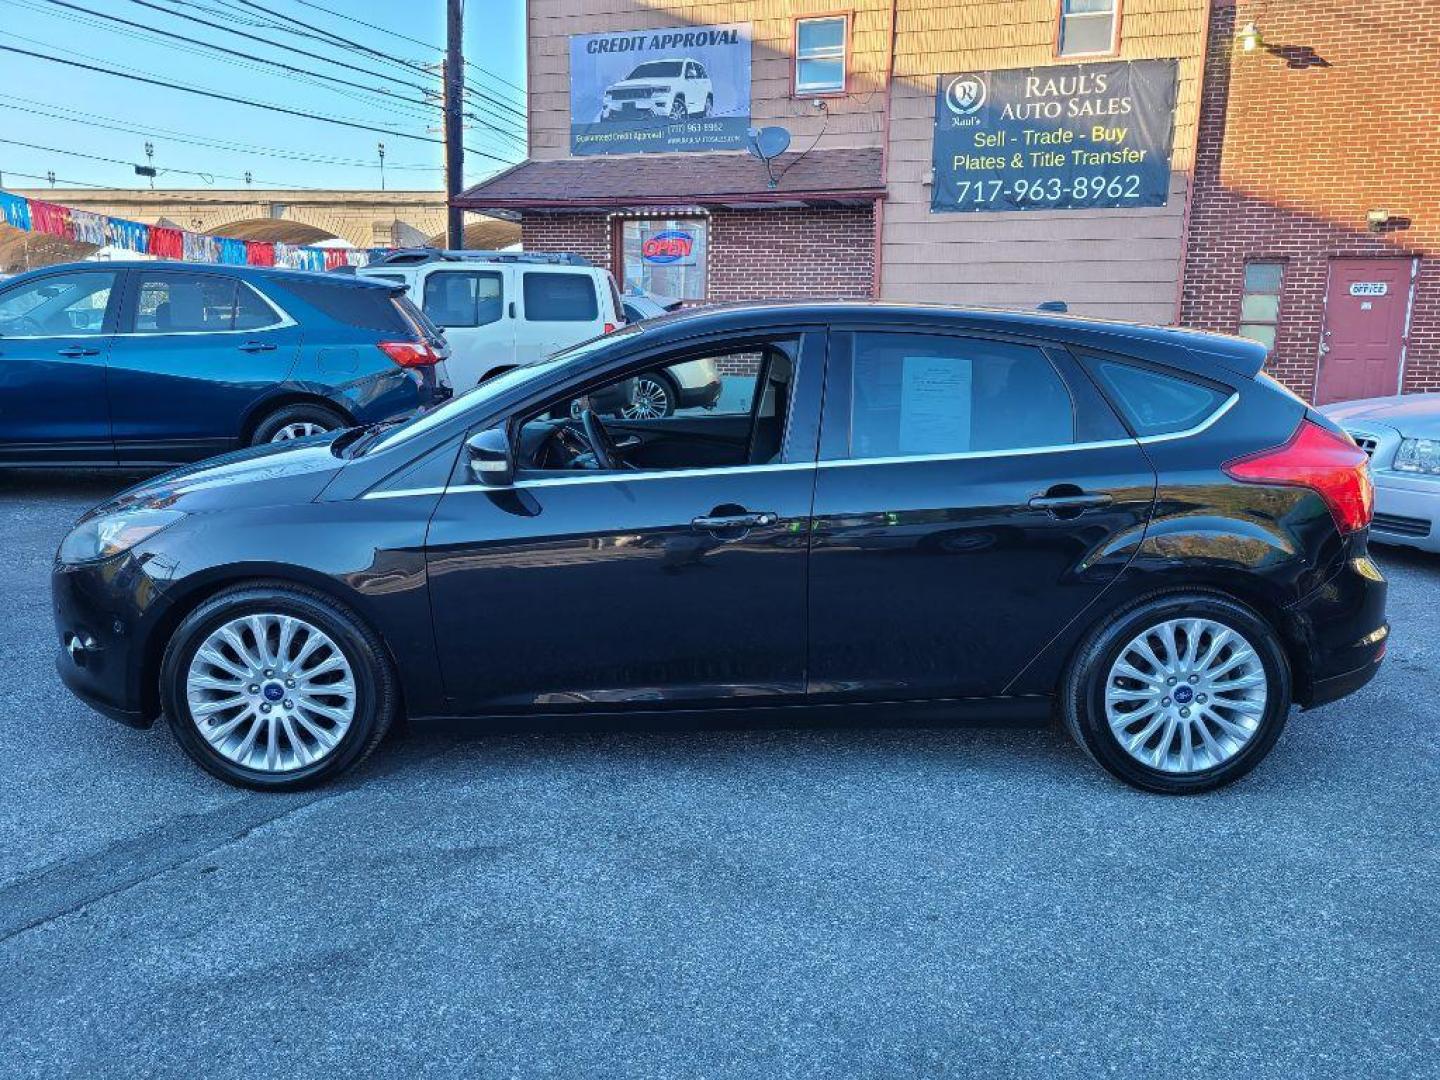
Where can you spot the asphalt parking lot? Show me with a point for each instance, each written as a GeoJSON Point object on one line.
{"type": "Point", "coordinates": [820, 902]}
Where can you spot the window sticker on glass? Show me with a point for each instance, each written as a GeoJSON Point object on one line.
{"type": "Point", "coordinates": [935, 404]}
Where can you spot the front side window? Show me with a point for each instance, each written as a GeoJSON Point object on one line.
{"type": "Point", "coordinates": [464, 297]}
{"type": "Point", "coordinates": [932, 394]}
{"type": "Point", "coordinates": [665, 256]}
{"type": "Point", "coordinates": [60, 305]}
{"type": "Point", "coordinates": [1260, 302]}
{"type": "Point", "coordinates": [553, 297]}
{"type": "Point", "coordinates": [820, 48]}
{"type": "Point", "coordinates": [1089, 26]}
{"type": "Point", "coordinates": [702, 409]}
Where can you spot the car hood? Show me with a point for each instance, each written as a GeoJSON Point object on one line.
{"type": "Point", "coordinates": [271, 475]}
{"type": "Point", "coordinates": [1415, 416]}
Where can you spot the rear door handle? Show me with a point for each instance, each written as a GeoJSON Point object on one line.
{"type": "Point", "coordinates": [708, 523]}
{"type": "Point", "coordinates": [1071, 502]}
{"type": "Point", "coordinates": [257, 346]}
{"type": "Point", "coordinates": [74, 351]}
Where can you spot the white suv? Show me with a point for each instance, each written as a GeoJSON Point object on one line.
{"type": "Point", "coordinates": [675, 88]}
{"type": "Point", "coordinates": [501, 310]}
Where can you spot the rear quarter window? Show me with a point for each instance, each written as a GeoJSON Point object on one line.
{"type": "Point", "coordinates": [358, 306]}
{"type": "Point", "coordinates": [560, 298]}
{"type": "Point", "coordinates": [1154, 402]}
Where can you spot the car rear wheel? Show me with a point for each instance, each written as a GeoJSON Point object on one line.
{"type": "Point", "coordinates": [1182, 693]}
{"type": "Point", "coordinates": [276, 687]}
{"type": "Point", "coordinates": [296, 422]}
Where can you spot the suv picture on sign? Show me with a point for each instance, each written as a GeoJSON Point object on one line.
{"type": "Point", "coordinates": [661, 91]}
{"type": "Point", "coordinates": [675, 88]}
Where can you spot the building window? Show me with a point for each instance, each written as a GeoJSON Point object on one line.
{"type": "Point", "coordinates": [1088, 27]}
{"type": "Point", "coordinates": [664, 256]}
{"type": "Point", "coordinates": [820, 48]}
{"type": "Point", "coordinates": [1260, 302]}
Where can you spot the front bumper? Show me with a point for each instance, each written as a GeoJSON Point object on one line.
{"type": "Point", "coordinates": [1407, 511]}
{"type": "Point", "coordinates": [103, 612]}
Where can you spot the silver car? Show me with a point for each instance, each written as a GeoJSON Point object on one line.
{"type": "Point", "coordinates": [1402, 436]}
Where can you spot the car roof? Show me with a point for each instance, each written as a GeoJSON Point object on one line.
{"type": "Point", "coordinates": [1194, 349]}
{"type": "Point", "coordinates": [274, 273]}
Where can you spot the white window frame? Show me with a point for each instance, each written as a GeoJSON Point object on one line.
{"type": "Point", "coordinates": [1067, 16]}
{"type": "Point", "coordinates": [839, 52]}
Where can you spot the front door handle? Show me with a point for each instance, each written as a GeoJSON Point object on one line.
{"type": "Point", "coordinates": [257, 346]}
{"type": "Point", "coordinates": [76, 351]}
{"type": "Point", "coordinates": [1080, 501]}
{"type": "Point", "coordinates": [714, 523]}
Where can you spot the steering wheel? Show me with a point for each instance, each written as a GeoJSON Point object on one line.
{"type": "Point", "coordinates": [601, 444]}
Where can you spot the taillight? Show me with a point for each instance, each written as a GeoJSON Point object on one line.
{"type": "Point", "coordinates": [410, 353]}
{"type": "Point", "coordinates": [1326, 463]}
{"type": "Point", "coordinates": [609, 328]}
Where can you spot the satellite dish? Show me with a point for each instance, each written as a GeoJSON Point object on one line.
{"type": "Point", "coordinates": [768, 143]}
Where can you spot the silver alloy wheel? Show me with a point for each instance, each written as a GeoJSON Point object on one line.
{"type": "Point", "coordinates": [651, 401]}
{"type": "Point", "coordinates": [1186, 695]}
{"type": "Point", "coordinates": [271, 692]}
{"type": "Point", "coordinates": [298, 430]}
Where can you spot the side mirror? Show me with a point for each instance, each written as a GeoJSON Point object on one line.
{"type": "Point", "coordinates": [490, 459]}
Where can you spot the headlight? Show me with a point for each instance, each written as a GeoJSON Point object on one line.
{"type": "Point", "coordinates": [101, 537]}
{"type": "Point", "coordinates": [1418, 456]}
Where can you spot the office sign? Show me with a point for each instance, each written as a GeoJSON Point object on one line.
{"type": "Point", "coordinates": [1068, 137]}
{"type": "Point", "coordinates": [660, 91]}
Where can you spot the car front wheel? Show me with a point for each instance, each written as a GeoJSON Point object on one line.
{"type": "Point", "coordinates": [276, 687]}
{"type": "Point", "coordinates": [1182, 693]}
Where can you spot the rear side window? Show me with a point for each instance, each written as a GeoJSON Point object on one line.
{"type": "Point", "coordinates": [932, 394]}
{"type": "Point", "coordinates": [464, 297]}
{"type": "Point", "coordinates": [560, 298]}
{"type": "Point", "coordinates": [359, 306]}
{"type": "Point", "coordinates": [1154, 403]}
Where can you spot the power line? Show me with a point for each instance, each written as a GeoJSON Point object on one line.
{"type": "Point", "coordinates": [330, 37]}
{"type": "Point", "coordinates": [53, 179]}
{"type": "Point", "coordinates": [242, 101]}
{"type": "Point", "coordinates": [405, 37]}
{"type": "Point", "coordinates": [344, 42]}
{"type": "Point", "coordinates": [209, 177]}
{"type": "Point", "coordinates": [234, 52]}
{"type": "Point", "coordinates": [97, 120]}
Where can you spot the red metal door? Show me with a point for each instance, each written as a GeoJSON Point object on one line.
{"type": "Point", "coordinates": [1365, 309]}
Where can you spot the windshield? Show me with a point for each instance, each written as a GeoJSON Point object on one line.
{"type": "Point", "coordinates": [475, 399]}
{"type": "Point", "coordinates": [657, 69]}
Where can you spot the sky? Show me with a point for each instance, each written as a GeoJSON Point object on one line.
{"type": "Point", "coordinates": [65, 108]}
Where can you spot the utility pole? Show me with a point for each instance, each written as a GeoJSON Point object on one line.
{"type": "Point", "coordinates": [380, 149]}
{"type": "Point", "coordinates": [454, 76]}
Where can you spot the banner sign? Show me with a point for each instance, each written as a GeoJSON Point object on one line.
{"type": "Point", "coordinates": [1069, 137]}
{"type": "Point", "coordinates": [660, 91]}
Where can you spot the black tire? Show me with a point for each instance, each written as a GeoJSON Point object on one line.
{"type": "Point", "coordinates": [709, 104]}
{"type": "Point", "coordinates": [678, 109]}
{"type": "Point", "coordinates": [376, 689]}
{"type": "Point", "coordinates": [1082, 696]}
{"type": "Point", "coordinates": [272, 424]}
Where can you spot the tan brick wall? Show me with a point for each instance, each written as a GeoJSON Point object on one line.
{"type": "Point", "coordinates": [1337, 115]}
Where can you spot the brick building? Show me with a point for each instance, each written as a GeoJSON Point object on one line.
{"type": "Point", "coordinates": [1317, 186]}
{"type": "Point", "coordinates": [851, 211]}
{"type": "Point", "coordinates": [1289, 191]}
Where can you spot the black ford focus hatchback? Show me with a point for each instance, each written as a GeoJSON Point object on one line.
{"type": "Point", "coordinates": [982, 513]}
